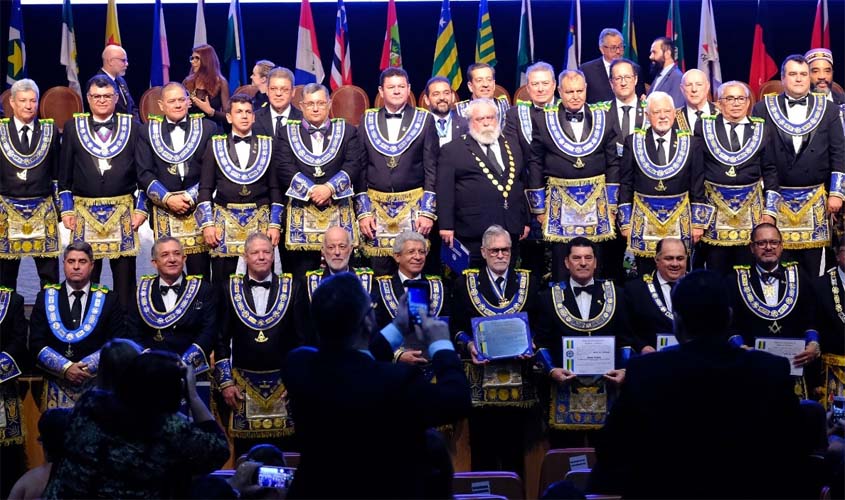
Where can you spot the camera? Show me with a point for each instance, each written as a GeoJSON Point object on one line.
{"type": "Point", "coordinates": [271, 476]}
{"type": "Point", "coordinates": [418, 299]}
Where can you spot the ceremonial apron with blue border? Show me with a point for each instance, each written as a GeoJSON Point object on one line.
{"type": "Point", "coordinates": [164, 222]}
{"type": "Point", "coordinates": [11, 420]}
{"type": "Point", "coordinates": [314, 278]}
{"type": "Point", "coordinates": [802, 217]}
{"type": "Point", "coordinates": [236, 221]}
{"type": "Point", "coordinates": [306, 222]}
{"type": "Point", "coordinates": [28, 226]}
{"type": "Point", "coordinates": [583, 402]}
{"type": "Point", "coordinates": [394, 212]}
{"type": "Point", "coordinates": [264, 411]}
{"type": "Point", "coordinates": [773, 313]}
{"type": "Point", "coordinates": [500, 383]}
{"type": "Point", "coordinates": [833, 365]}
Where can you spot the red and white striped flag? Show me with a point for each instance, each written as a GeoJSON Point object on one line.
{"type": "Point", "coordinates": [342, 60]}
{"type": "Point", "coordinates": [820, 38]}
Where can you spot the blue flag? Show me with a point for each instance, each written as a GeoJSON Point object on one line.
{"type": "Point", "coordinates": [16, 67]}
{"type": "Point", "coordinates": [235, 47]}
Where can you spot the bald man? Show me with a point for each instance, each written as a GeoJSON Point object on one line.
{"type": "Point", "coordinates": [696, 89]}
{"type": "Point", "coordinates": [115, 62]}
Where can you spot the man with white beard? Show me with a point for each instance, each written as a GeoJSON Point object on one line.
{"type": "Point", "coordinates": [479, 183]}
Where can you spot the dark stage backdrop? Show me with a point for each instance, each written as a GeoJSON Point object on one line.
{"type": "Point", "coordinates": [271, 31]}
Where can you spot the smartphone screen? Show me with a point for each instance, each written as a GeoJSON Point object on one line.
{"type": "Point", "coordinates": [270, 476]}
{"type": "Point", "coordinates": [839, 407]}
{"type": "Point", "coordinates": [417, 299]}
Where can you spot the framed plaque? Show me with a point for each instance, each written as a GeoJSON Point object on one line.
{"type": "Point", "coordinates": [502, 336]}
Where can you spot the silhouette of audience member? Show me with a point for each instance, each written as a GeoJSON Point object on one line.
{"type": "Point", "coordinates": [115, 357]}
{"type": "Point", "coordinates": [52, 427]}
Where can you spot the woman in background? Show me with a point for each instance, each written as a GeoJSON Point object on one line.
{"type": "Point", "coordinates": [259, 79]}
{"type": "Point", "coordinates": [209, 90]}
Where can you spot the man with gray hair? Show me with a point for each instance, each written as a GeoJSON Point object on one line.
{"type": "Point", "coordinates": [597, 71]}
{"type": "Point", "coordinates": [695, 87]}
{"type": "Point", "coordinates": [270, 120]}
{"type": "Point", "coordinates": [320, 158]}
{"type": "Point", "coordinates": [661, 191]}
{"type": "Point", "coordinates": [479, 182]}
{"type": "Point", "coordinates": [29, 166]}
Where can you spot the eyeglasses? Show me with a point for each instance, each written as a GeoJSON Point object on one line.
{"type": "Point", "coordinates": [497, 251]}
{"type": "Point", "coordinates": [101, 97]}
{"type": "Point", "coordinates": [731, 99]}
{"type": "Point", "coordinates": [622, 78]}
{"type": "Point", "coordinates": [614, 48]}
{"type": "Point", "coordinates": [766, 243]}
{"type": "Point", "coordinates": [194, 58]}
{"type": "Point", "coordinates": [314, 104]}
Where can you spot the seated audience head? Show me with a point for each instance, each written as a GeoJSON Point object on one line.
{"type": "Point", "coordinates": [280, 82]}
{"type": "Point", "coordinates": [440, 474]}
{"type": "Point", "coordinates": [563, 490]}
{"type": "Point", "coordinates": [212, 487]}
{"type": "Point", "coordinates": [337, 249]}
{"type": "Point", "coordinates": [342, 313]}
{"type": "Point", "coordinates": [541, 83]}
{"type": "Point", "coordinates": [409, 251]}
{"type": "Point", "coordinates": [766, 245]}
{"type": "Point", "coordinates": [78, 263]}
{"type": "Point", "coordinates": [670, 259]}
{"type": "Point", "coordinates": [439, 96]}
{"type": "Point", "coordinates": [581, 260]}
{"type": "Point", "coordinates": [701, 307]}
{"type": "Point", "coordinates": [115, 356]}
{"type": "Point", "coordinates": [266, 454]}
{"type": "Point", "coordinates": [496, 248]}
{"type": "Point", "coordinates": [157, 384]}
{"type": "Point", "coordinates": [52, 427]}
{"type": "Point", "coordinates": [258, 255]}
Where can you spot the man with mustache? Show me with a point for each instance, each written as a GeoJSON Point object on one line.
{"type": "Point", "coordinates": [438, 98]}
{"type": "Point", "coordinates": [478, 183]}
{"type": "Point", "coordinates": [667, 75]}
{"type": "Point", "coordinates": [821, 74]}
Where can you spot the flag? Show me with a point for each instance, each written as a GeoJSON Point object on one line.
{"type": "Point", "coordinates": [16, 66]}
{"type": "Point", "coordinates": [235, 47]}
{"type": "Point", "coordinates": [309, 67]}
{"type": "Point", "coordinates": [446, 50]}
{"type": "Point", "coordinates": [391, 54]}
{"type": "Point", "coordinates": [485, 52]}
{"type": "Point", "coordinates": [525, 48]}
{"type": "Point", "coordinates": [629, 34]}
{"type": "Point", "coordinates": [342, 61]}
{"type": "Point", "coordinates": [160, 66]}
{"type": "Point", "coordinates": [573, 41]}
{"type": "Point", "coordinates": [708, 48]}
{"type": "Point", "coordinates": [200, 38]}
{"type": "Point", "coordinates": [68, 54]}
{"type": "Point", "coordinates": [112, 26]}
{"type": "Point", "coordinates": [820, 38]}
{"type": "Point", "coordinates": [763, 66]}
{"type": "Point", "coordinates": [673, 32]}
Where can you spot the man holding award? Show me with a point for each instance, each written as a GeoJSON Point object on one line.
{"type": "Point", "coordinates": [169, 158]}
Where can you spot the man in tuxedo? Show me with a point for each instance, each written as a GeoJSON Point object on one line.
{"type": "Point", "coordinates": [573, 151]}
{"type": "Point", "coordinates": [597, 71]}
{"type": "Point", "coordinates": [580, 306]}
{"type": "Point", "coordinates": [319, 160]}
{"type": "Point", "coordinates": [829, 291]}
{"type": "Point", "coordinates": [270, 120]}
{"type": "Point", "coordinates": [347, 403]}
{"type": "Point", "coordinates": [241, 172]}
{"type": "Point", "coordinates": [661, 189]}
{"type": "Point", "coordinates": [439, 98]}
{"type": "Point", "coordinates": [481, 82]}
{"type": "Point", "coordinates": [396, 191]}
{"type": "Point", "coordinates": [29, 167]}
{"type": "Point", "coordinates": [649, 298]}
{"type": "Point", "coordinates": [69, 325]}
{"type": "Point", "coordinates": [696, 89]}
{"type": "Point", "coordinates": [809, 153]}
{"type": "Point", "coordinates": [174, 312]}
{"type": "Point", "coordinates": [115, 62]}
{"type": "Point", "coordinates": [821, 74]}
{"type": "Point", "coordinates": [664, 69]}
{"type": "Point", "coordinates": [257, 330]}
{"type": "Point", "coordinates": [98, 180]}
{"type": "Point", "coordinates": [477, 174]}
{"type": "Point", "coordinates": [15, 360]}
{"type": "Point", "coordinates": [169, 158]}
{"type": "Point", "coordinates": [698, 410]}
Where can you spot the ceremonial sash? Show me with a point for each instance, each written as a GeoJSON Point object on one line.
{"type": "Point", "coordinates": [782, 122]}
{"type": "Point", "coordinates": [389, 148]}
{"type": "Point", "coordinates": [314, 278]}
{"type": "Point", "coordinates": [802, 217]}
{"type": "Point", "coordinates": [505, 305]}
{"type": "Point", "coordinates": [833, 379]}
{"type": "Point", "coordinates": [391, 301]}
{"type": "Point", "coordinates": [252, 173]}
{"type": "Point", "coordinates": [523, 112]}
{"type": "Point", "coordinates": [96, 298]}
{"type": "Point", "coordinates": [5, 300]}
{"type": "Point", "coordinates": [586, 325]}
{"type": "Point", "coordinates": [39, 151]}
{"type": "Point", "coordinates": [577, 207]}
{"type": "Point", "coordinates": [661, 172]}
{"type": "Point", "coordinates": [578, 149]}
{"type": "Point", "coordinates": [732, 158]}
{"type": "Point", "coordinates": [338, 130]}
{"type": "Point", "coordinates": [274, 313]}
{"type": "Point", "coordinates": [163, 319]}
{"type": "Point", "coordinates": [655, 297]}
{"type": "Point", "coordinates": [834, 289]}
{"type": "Point", "coordinates": [762, 310]}
{"type": "Point", "coordinates": [119, 140]}
{"type": "Point", "coordinates": [30, 228]}
{"type": "Point", "coordinates": [168, 154]}
{"type": "Point", "coordinates": [738, 210]}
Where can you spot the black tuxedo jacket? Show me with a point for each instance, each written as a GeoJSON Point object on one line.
{"type": "Point", "coordinates": [513, 129]}
{"type": "Point", "coordinates": [152, 168]}
{"type": "Point", "coordinates": [467, 200]}
{"type": "Point", "coordinates": [13, 330]}
{"type": "Point", "coordinates": [616, 125]}
{"type": "Point", "coordinates": [112, 323]}
{"type": "Point", "coordinates": [689, 179]}
{"type": "Point", "coordinates": [759, 166]}
{"type": "Point", "coordinates": [125, 103]}
{"type": "Point", "coordinates": [693, 411]}
{"type": "Point", "coordinates": [349, 158]}
{"type": "Point", "coordinates": [79, 172]}
{"type": "Point", "coordinates": [264, 120]}
{"type": "Point", "coordinates": [264, 191]}
{"type": "Point", "coordinates": [686, 112]}
{"type": "Point", "coordinates": [383, 316]}
{"type": "Point", "coordinates": [197, 326]}
{"type": "Point", "coordinates": [822, 151]}
{"type": "Point", "coordinates": [464, 311]}
{"type": "Point", "coordinates": [547, 160]}
{"type": "Point", "coordinates": [345, 402]}
{"type": "Point", "coordinates": [39, 180]}
{"type": "Point", "coordinates": [237, 341]}
{"type": "Point", "coordinates": [417, 165]}
{"type": "Point", "coordinates": [645, 317]}
{"type": "Point", "coordinates": [598, 81]}
{"type": "Point", "coordinates": [829, 322]}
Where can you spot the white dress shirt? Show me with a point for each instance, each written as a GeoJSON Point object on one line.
{"type": "Point", "coordinates": [19, 126]}
{"type": "Point", "coordinates": [260, 295]}
{"type": "Point", "coordinates": [447, 128]}
{"type": "Point", "coordinates": [693, 116]}
{"type": "Point", "coordinates": [242, 151]}
{"type": "Point", "coordinates": [666, 289]}
{"type": "Point", "coordinates": [318, 140]}
{"type": "Point", "coordinates": [740, 131]}
{"type": "Point", "coordinates": [495, 150]}
{"type": "Point", "coordinates": [394, 125]}
{"type": "Point", "coordinates": [583, 299]}
{"type": "Point", "coordinates": [632, 114]}
{"type": "Point", "coordinates": [83, 299]}
{"type": "Point", "coordinates": [796, 114]}
{"type": "Point", "coordinates": [273, 115]}
{"type": "Point", "coordinates": [170, 297]}
{"type": "Point", "coordinates": [102, 164]}
{"type": "Point", "coordinates": [177, 138]}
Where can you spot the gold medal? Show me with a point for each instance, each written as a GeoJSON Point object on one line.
{"type": "Point", "coordinates": [22, 175]}
{"type": "Point", "coordinates": [261, 338]}
{"type": "Point", "coordinates": [244, 191]}
{"type": "Point", "coordinates": [27, 228]}
{"type": "Point", "coordinates": [392, 161]}
{"type": "Point", "coordinates": [173, 169]}
{"type": "Point", "coordinates": [660, 186]}
{"type": "Point", "coordinates": [579, 163]}
{"type": "Point", "coordinates": [731, 172]}
{"type": "Point", "coordinates": [318, 172]}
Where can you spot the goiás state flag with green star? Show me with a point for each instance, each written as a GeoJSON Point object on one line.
{"type": "Point", "coordinates": [16, 67]}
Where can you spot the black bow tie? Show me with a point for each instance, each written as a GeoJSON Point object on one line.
{"type": "Point", "coordinates": [797, 102]}
{"type": "Point", "coordinates": [236, 139]}
{"type": "Point", "coordinates": [579, 116]}
{"type": "Point", "coordinates": [164, 289]}
{"type": "Point", "coordinates": [314, 130]}
{"type": "Point", "coordinates": [263, 284]}
{"type": "Point", "coordinates": [172, 126]}
{"type": "Point", "coordinates": [109, 125]}
{"type": "Point", "coordinates": [392, 115]}
{"type": "Point", "coordinates": [776, 274]}
{"type": "Point", "coordinates": [588, 289]}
